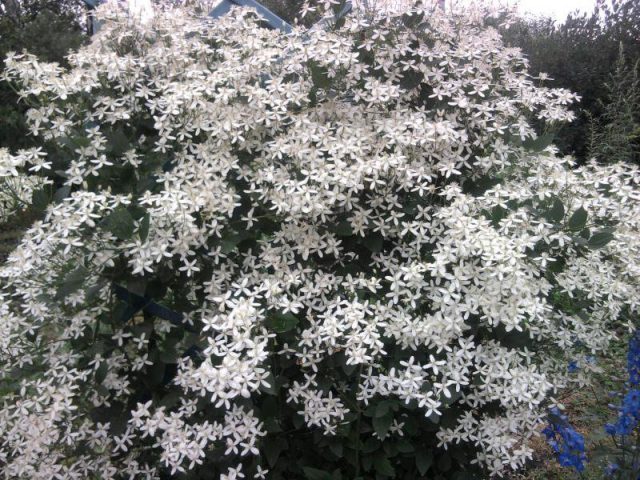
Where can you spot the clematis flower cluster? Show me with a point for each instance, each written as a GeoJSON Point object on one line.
{"type": "Point", "coordinates": [336, 217]}
{"type": "Point", "coordinates": [18, 181]}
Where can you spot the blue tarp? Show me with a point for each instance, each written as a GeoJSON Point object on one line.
{"type": "Point", "coordinates": [224, 6]}
{"type": "Point", "coordinates": [271, 18]}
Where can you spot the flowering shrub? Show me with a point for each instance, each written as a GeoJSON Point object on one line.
{"type": "Point", "coordinates": [18, 185]}
{"type": "Point", "coordinates": [363, 242]}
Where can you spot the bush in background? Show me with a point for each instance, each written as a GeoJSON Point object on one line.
{"type": "Point", "coordinates": [581, 54]}
{"type": "Point", "coordinates": [49, 29]}
{"type": "Point", "coordinates": [615, 135]}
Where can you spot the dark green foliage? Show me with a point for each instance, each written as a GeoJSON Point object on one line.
{"type": "Point", "coordinates": [288, 10]}
{"type": "Point", "coordinates": [600, 238]}
{"type": "Point", "coordinates": [120, 223]}
{"type": "Point", "coordinates": [49, 29]}
{"type": "Point", "coordinates": [615, 136]}
{"type": "Point", "coordinates": [578, 220]}
{"type": "Point", "coordinates": [72, 281]}
{"type": "Point", "coordinates": [581, 54]}
{"type": "Point", "coordinates": [282, 322]}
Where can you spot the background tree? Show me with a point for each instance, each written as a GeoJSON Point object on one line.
{"type": "Point", "coordinates": [615, 136]}
{"type": "Point", "coordinates": [581, 54]}
{"type": "Point", "coordinates": [48, 29]}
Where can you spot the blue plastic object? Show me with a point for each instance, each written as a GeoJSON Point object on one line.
{"type": "Point", "coordinates": [225, 6]}
{"type": "Point", "coordinates": [136, 302]}
{"type": "Point", "coordinates": [269, 17]}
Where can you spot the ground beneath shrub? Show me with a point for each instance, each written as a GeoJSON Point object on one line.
{"type": "Point", "coordinates": [588, 411]}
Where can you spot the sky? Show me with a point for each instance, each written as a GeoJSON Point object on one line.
{"type": "Point", "coordinates": [557, 9]}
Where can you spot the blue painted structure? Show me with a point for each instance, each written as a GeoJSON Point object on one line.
{"type": "Point", "coordinates": [269, 17]}
{"type": "Point", "coordinates": [224, 6]}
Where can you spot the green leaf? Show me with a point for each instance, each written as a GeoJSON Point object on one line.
{"type": "Point", "coordinates": [444, 462]}
{"type": "Point", "coordinates": [455, 395]}
{"type": "Point", "coordinates": [498, 213]}
{"type": "Point", "coordinates": [538, 144]}
{"type": "Point", "coordinates": [404, 446]}
{"type": "Point", "coordinates": [411, 79]}
{"type": "Point", "coordinates": [232, 239]}
{"type": "Point", "coordinates": [118, 421]}
{"type": "Point", "coordinates": [61, 194]}
{"type": "Point", "coordinates": [229, 244]}
{"type": "Point", "coordinates": [315, 474]}
{"type": "Point", "coordinates": [101, 372]}
{"type": "Point", "coordinates": [381, 424]}
{"type": "Point", "coordinates": [349, 369]}
{"type": "Point", "coordinates": [102, 390]}
{"type": "Point", "coordinates": [168, 355]}
{"type": "Point", "coordinates": [40, 199]}
{"type": "Point", "coordinates": [343, 229]}
{"type": "Point", "coordinates": [117, 142]}
{"type": "Point", "coordinates": [383, 466]}
{"type": "Point", "coordinates": [578, 220]}
{"type": "Point", "coordinates": [137, 212]}
{"type": "Point", "coordinates": [171, 399]}
{"type": "Point", "coordinates": [272, 449]}
{"type": "Point", "coordinates": [580, 241]}
{"type": "Point", "coordinates": [390, 449]}
{"type": "Point", "coordinates": [155, 373]}
{"type": "Point", "coordinates": [434, 418]}
{"type": "Point", "coordinates": [313, 96]}
{"type": "Point", "coordinates": [271, 389]}
{"type": "Point", "coordinates": [282, 322]}
{"type": "Point", "coordinates": [298, 421]}
{"type": "Point", "coordinates": [600, 239]}
{"type": "Point", "coordinates": [424, 460]}
{"type": "Point", "coordinates": [319, 75]}
{"type": "Point", "coordinates": [373, 242]}
{"type": "Point", "coordinates": [585, 233]}
{"type": "Point", "coordinates": [370, 411]}
{"type": "Point", "coordinates": [556, 212]}
{"type": "Point", "coordinates": [143, 232]}
{"type": "Point", "coordinates": [120, 223]}
{"type": "Point", "coordinates": [72, 281]}
{"type": "Point", "coordinates": [271, 425]}
{"type": "Point", "coordinates": [382, 408]}
{"type": "Point", "coordinates": [336, 448]}
{"type": "Point", "coordinates": [367, 462]}
{"type": "Point", "coordinates": [269, 407]}
{"type": "Point", "coordinates": [370, 445]}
